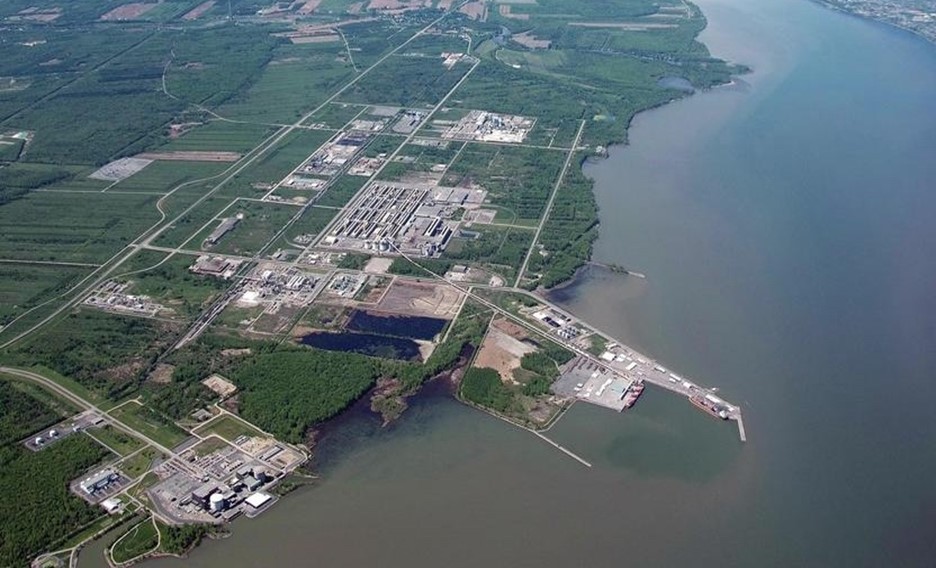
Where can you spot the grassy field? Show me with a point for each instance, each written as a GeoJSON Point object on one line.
{"type": "Point", "coordinates": [138, 540]}
{"type": "Point", "coordinates": [276, 163]}
{"type": "Point", "coordinates": [185, 228]}
{"type": "Point", "coordinates": [340, 192]}
{"type": "Point", "coordinates": [73, 227]}
{"type": "Point", "coordinates": [311, 223]}
{"type": "Point", "coordinates": [335, 115]}
{"type": "Point", "coordinates": [173, 285]}
{"type": "Point", "coordinates": [217, 136]}
{"type": "Point", "coordinates": [260, 223]}
{"type": "Point", "coordinates": [122, 443]}
{"type": "Point", "coordinates": [163, 176]}
{"type": "Point", "coordinates": [24, 286]}
{"type": "Point", "coordinates": [299, 78]}
{"type": "Point", "coordinates": [139, 463]}
{"type": "Point", "coordinates": [227, 427]}
{"type": "Point", "coordinates": [150, 424]}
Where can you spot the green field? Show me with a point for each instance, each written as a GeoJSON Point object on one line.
{"type": "Point", "coordinates": [276, 163]}
{"type": "Point", "coordinates": [216, 136]}
{"type": "Point", "coordinates": [24, 286]}
{"type": "Point", "coordinates": [299, 78]}
{"type": "Point", "coordinates": [185, 228]}
{"type": "Point", "coordinates": [260, 223]}
{"type": "Point", "coordinates": [138, 540]}
{"type": "Point", "coordinates": [73, 227]}
{"type": "Point", "coordinates": [122, 443]}
{"type": "Point", "coordinates": [139, 463]}
{"type": "Point", "coordinates": [311, 223]}
{"type": "Point", "coordinates": [151, 424]}
{"type": "Point", "coordinates": [335, 115]}
{"type": "Point", "coordinates": [163, 176]}
{"type": "Point", "coordinates": [174, 286]}
{"type": "Point", "coordinates": [227, 427]}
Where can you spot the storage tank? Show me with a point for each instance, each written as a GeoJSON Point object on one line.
{"type": "Point", "coordinates": [216, 503]}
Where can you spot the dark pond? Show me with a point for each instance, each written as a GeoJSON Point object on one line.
{"type": "Point", "coordinates": [411, 327]}
{"type": "Point", "coordinates": [364, 343]}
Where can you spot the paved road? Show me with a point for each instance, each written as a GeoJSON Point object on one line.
{"type": "Point", "coordinates": [549, 204]}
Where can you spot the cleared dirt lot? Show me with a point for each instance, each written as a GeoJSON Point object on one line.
{"type": "Point", "coordinates": [197, 11]}
{"type": "Point", "coordinates": [128, 11]}
{"type": "Point", "coordinates": [502, 349]}
{"type": "Point", "coordinates": [422, 299]}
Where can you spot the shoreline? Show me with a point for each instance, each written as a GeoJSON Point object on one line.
{"type": "Point", "coordinates": [842, 10]}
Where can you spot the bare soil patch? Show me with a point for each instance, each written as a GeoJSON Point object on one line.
{"type": "Point", "coordinates": [476, 10]}
{"type": "Point", "coordinates": [378, 265]}
{"type": "Point", "coordinates": [309, 7]}
{"type": "Point", "coordinates": [526, 39]}
{"type": "Point", "coordinates": [502, 349]}
{"type": "Point", "coordinates": [197, 11]}
{"type": "Point", "coordinates": [161, 375]}
{"type": "Point", "coordinates": [221, 386]}
{"type": "Point", "coordinates": [505, 11]}
{"type": "Point", "coordinates": [419, 298]}
{"type": "Point", "coordinates": [127, 12]}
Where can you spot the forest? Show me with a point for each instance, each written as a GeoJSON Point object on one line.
{"type": "Point", "coordinates": [44, 510]}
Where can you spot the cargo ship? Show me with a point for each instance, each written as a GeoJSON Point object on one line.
{"type": "Point", "coordinates": [633, 393]}
{"type": "Point", "coordinates": [711, 404]}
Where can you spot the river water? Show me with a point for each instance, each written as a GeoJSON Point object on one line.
{"type": "Point", "coordinates": [785, 227]}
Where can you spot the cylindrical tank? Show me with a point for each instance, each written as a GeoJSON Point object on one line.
{"type": "Point", "coordinates": [216, 503]}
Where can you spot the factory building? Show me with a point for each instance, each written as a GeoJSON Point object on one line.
{"type": "Point", "coordinates": [226, 226]}
{"type": "Point", "coordinates": [98, 481]}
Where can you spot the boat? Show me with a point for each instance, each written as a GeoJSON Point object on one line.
{"type": "Point", "coordinates": [633, 393]}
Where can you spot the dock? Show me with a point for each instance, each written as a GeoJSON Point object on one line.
{"type": "Point", "coordinates": [562, 449]}
{"type": "Point", "coordinates": [741, 433]}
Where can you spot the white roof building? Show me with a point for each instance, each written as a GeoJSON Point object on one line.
{"type": "Point", "coordinates": [258, 499]}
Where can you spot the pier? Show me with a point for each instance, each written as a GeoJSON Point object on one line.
{"type": "Point", "coordinates": [741, 433]}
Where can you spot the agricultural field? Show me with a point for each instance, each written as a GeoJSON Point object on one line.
{"type": "Point", "coordinates": [162, 176]}
{"type": "Point", "coordinates": [25, 286]}
{"type": "Point", "coordinates": [73, 227]}
{"type": "Point", "coordinates": [197, 134]}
